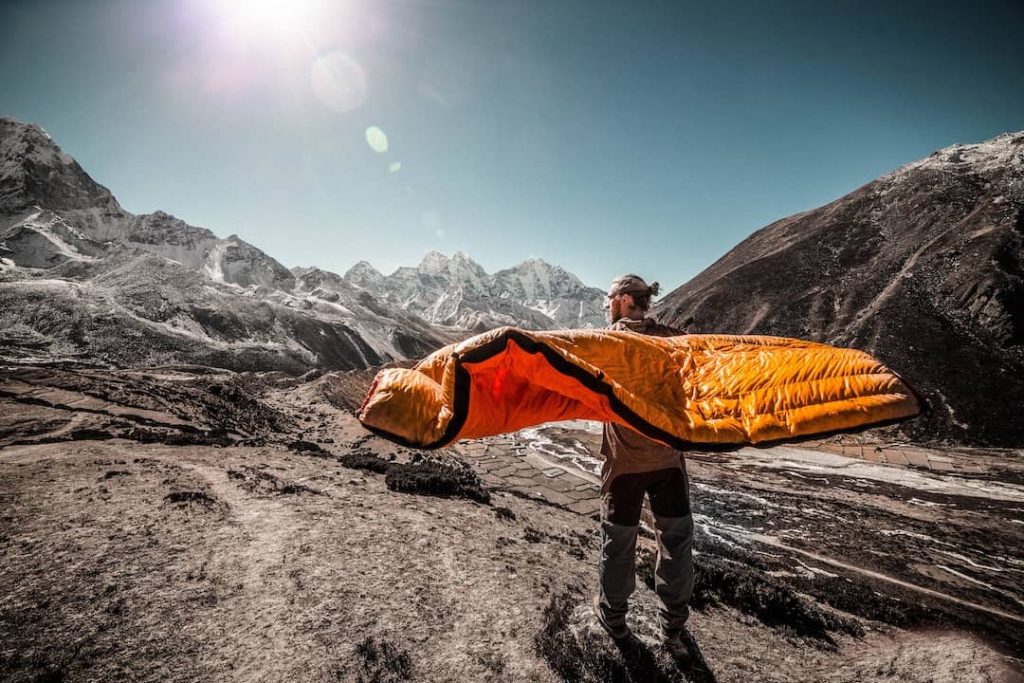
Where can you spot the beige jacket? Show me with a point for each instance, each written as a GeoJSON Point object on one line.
{"type": "Point", "coordinates": [626, 451]}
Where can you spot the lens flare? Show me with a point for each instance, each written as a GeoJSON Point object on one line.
{"type": "Point", "coordinates": [338, 81]}
{"type": "Point", "coordinates": [376, 139]}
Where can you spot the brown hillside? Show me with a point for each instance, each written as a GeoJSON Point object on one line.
{"type": "Point", "coordinates": [923, 267]}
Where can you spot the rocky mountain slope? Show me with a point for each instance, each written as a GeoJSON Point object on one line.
{"type": "Point", "coordinates": [85, 280]}
{"type": "Point", "coordinates": [455, 290]}
{"type": "Point", "coordinates": [52, 211]}
{"type": "Point", "coordinates": [923, 267]}
{"type": "Point", "coordinates": [82, 279]}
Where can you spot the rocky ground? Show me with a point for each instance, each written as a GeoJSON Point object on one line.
{"type": "Point", "coordinates": [193, 524]}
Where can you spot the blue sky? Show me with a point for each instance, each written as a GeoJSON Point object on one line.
{"type": "Point", "coordinates": [603, 136]}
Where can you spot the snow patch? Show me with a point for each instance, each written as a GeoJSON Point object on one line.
{"type": "Point", "coordinates": [912, 534]}
{"type": "Point", "coordinates": [816, 462]}
{"type": "Point", "coordinates": [213, 265]}
{"type": "Point", "coordinates": [984, 567]}
{"type": "Point", "coordinates": [993, 155]}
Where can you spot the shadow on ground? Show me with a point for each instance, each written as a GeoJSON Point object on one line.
{"type": "Point", "coordinates": [578, 652]}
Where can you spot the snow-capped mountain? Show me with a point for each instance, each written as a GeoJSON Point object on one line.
{"type": "Point", "coordinates": [35, 175]}
{"type": "Point", "coordinates": [923, 267]}
{"type": "Point", "coordinates": [84, 279]}
{"type": "Point", "coordinates": [455, 290]}
{"type": "Point", "coordinates": [81, 278]}
{"type": "Point", "coordinates": [230, 260]}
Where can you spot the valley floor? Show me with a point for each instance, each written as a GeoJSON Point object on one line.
{"type": "Point", "coordinates": [187, 524]}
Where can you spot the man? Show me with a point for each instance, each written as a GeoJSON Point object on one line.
{"type": "Point", "coordinates": [635, 465]}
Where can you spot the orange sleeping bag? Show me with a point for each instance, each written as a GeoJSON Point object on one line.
{"type": "Point", "coordinates": [681, 391]}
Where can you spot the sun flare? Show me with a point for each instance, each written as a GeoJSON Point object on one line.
{"type": "Point", "coordinates": [268, 18]}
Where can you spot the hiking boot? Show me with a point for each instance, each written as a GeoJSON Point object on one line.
{"type": "Point", "coordinates": [616, 632]}
{"type": "Point", "coordinates": [680, 645]}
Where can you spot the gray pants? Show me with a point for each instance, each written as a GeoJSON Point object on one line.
{"type": "Point", "coordinates": [620, 518]}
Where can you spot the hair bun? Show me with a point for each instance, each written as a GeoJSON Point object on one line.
{"type": "Point", "coordinates": [654, 288]}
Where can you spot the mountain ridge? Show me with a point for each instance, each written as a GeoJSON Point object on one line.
{"type": "Point", "coordinates": [205, 297]}
{"type": "Point", "coordinates": [456, 291]}
{"type": "Point", "coordinates": [923, 267]}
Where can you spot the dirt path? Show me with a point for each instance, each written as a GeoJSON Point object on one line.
{"type": "Point", "coordinates": [267, 528]}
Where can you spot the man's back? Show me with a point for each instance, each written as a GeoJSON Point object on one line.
{"type": "Point", "coordinates": [626, 451]}
{"type": "Point", "coordinates": [636, 467]}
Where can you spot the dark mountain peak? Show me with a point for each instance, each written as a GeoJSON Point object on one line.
{"type": "Point", "coordinates": [12, 129]}
{"type": "Point", "coordinates": [923, 267]}
{"type": "Point", "coordinates": [34, 171]}
{"type": "Point", "coordinates": [160, 227]}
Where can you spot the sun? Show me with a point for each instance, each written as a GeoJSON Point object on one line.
{"type": "Point", "coordinates": [261, 19]}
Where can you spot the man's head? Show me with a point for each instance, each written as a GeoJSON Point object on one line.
{"type": "Point", "coordinates": [629, 297]}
